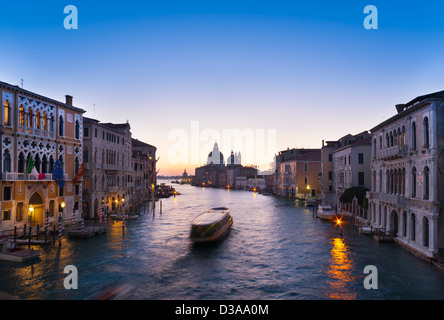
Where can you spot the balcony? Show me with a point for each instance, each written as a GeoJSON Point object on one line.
{"type": "Point", "coordinates": [394, 199]}
{"type": "Point", "coordinates": [394, 152]}
{"type": "Point", "coordinates": [14, 176]}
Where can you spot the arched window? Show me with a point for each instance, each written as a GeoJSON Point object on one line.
{"type": "Point", "coordinates": [403, 142]}
{"type": "Point", "coordinates": [30, 119]}
{"type": "Point", "coordinates": [380, 142]}
{"type": "Point", "coordinates": [426, 183]}
{"type": "Point", "coordinates": [21, 163]}
{"type": "Point", "coordinates": [37, 119]}
{"type": "Point", "coordinates": [404, 224]}
{"type": "Point", "coordinates": [45, 121]}
{"type": "Point", "coordinates": [387, 140]}
{"type": "Point", "coordinates": [391, 139]}
{"type": "Point", "coordinates": [374, 181]}
{"type": "Point", "coordinates": [426, 132]}
{"type": "Point", "coordinates": [413, 227]}
{"type": "Point", "coordinates": [61, 126]}
{"type": "Point", "coordinates": [51, 164]}
{"type": "Point", "coordinates": [380, 181]}
{"type": "Point", "coordinates": [425, 233]}
{"type": "Point", "coordinates": [413, 182]}
{"type": "Point", "coordinates": [7, 113]}
{"type": "Point", "coordinates": [77, 129]}
{"type": "Point", "coordinates": [44, 164]}
{"type": "Point", "coordinates": [413, 135]}
{"type": "Point", "coordinates": [51, 124]}
{"type": "Point", "coordinates": [22, 116]}
{"type": "Point", "coordinates": [6, 161]}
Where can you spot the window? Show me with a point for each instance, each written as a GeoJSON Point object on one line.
{"type": "Point", "coordinates": [51, 208]}
{"type": "Point", "coordinates": [45, 121]}
{"type": "Point", "coordinates": [19, 212]}
{"type": "Point", "coordinates": [7, 114]}
{"type": "Point", "coordinates": [361, 158]}
{"type": "Point", "coordinates": [6, 215]}
{"type": "Point", "coordinates": [85, 131]}
{"type": "Point", "coordinates": [413, 227]}
{"type": "Point", "coordinates": [37, 120]}
{"type": "Point", "coordinates": [426, 132]}
{"type": "Point", "coordinates": [426, 183]}
{"type": "Point", "coordinates": [51, 124]}
{"type": "Point", "coordinates": [413, 182]}
{"type": "Point", "coordinates": [361, 178]}
{"type": "Point", "coordinates": [305, 167]}
{"type": "Point", "coordinates": [330, 157]}
{"type": "Point", "coordinates": [380, 142]}
{"type": "Point", "coordinates": [29, 124]}
{"type": "Point", "coordinates": [413, 135]}
{"type": "Point", "coordinates": [61, 126]}
{"type": "Point", "coordinates": [7, 193]}
{"type": "Point", "coordinates": [95, 132]}
{"type": "Point", "coordinates": [330, 175]}
{"type": "Point", "coordinates": [305, 180]}
{"type": "Point", "coordinates": [22, 117]}
{"type": "Point", "coordinates": [6, 161]}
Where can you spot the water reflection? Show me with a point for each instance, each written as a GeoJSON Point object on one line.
{"type": "Point", "coordinates": [340, 278]}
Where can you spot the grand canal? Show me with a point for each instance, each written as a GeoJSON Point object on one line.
{"type": "Point", "coordinates": [275, 250]}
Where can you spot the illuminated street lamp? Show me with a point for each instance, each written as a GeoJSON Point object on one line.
{"type": "Point", "coordinates": [31, 213]}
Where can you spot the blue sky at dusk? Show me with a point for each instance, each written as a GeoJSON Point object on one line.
{"type": "Point", "coordinates": [308, 69]}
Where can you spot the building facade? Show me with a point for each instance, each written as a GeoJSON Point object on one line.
{"type": "Point", "coordinates": [297, 173]}
{"type": "Point", "coordinates": [108, 167]}
{"type": "Point", "coordinates": [36, 132]}
{"type": "Point", "coordinates": [327, 178]}
{"type": "Point", "coordinates": [143, 180]}
{"type": "Point", "coordinates": [407, 166]}
{"type": "Point", "coordinates": [351, 167]}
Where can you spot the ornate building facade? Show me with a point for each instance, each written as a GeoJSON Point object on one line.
{"type": "Point", "coordinates": [38, 130]}
{"type": "Point", "coordinates": [407, 167]}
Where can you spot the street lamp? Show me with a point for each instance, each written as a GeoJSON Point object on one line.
{"type": "Point", "coordinates": [31, 212]}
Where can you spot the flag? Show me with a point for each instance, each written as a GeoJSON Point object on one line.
{"type": "Point", "coordinates": [31, 168]}
{"type": "Point", "coordinates": [80, 172]}
{"type": "Point", "coordinates": [58, 174]}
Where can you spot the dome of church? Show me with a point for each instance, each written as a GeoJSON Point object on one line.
{"type": "Point", "coordinates": [215, 156]}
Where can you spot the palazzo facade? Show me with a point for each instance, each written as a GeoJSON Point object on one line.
{"type": "Point", "coordinates": [44, 130]}
{"type": "Point", "coordinates": [407, 168]}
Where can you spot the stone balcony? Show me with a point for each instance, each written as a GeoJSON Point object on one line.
{"type": "Point", "coordinates": [394, 152]}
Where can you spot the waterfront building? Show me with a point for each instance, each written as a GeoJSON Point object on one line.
{"type": "Point", "coordinates": [297, 173]}
{"type": "Point", "coordinates": [407, 189]}
{"type": "Point", "coordinates": [216, 174]}
{"type": "Point", "coordinates": [329, 194]}
{"type": "Point", "coordinates": [351, 167]}
{"type": "Point", "coordinates": [35, 132]}
{"type": "Point", "coordinates": [143, 179]}
{"type": "Point", "coordinates": [108, 168]}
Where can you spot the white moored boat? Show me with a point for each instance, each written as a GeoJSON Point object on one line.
{"type": "Point", "coordinates": [326, 212]}
{"type": "Point", "coordinates": [211, 225]}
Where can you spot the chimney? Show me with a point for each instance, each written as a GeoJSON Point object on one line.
{"type": "Point", "coordinates": [400, 107]}
{"type": "Point", "coordinates": [68, 100]}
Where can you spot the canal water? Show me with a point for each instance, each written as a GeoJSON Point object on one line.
{"type": "Point", "coordinates": [275, 250]}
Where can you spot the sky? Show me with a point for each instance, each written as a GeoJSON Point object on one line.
{"type": "Point", "coordinates": [182, 73]}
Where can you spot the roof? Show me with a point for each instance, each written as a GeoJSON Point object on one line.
{"type": "Point", "coordinates": [363, 142]}
{"type": "Point", "coordinates": [411, 106]}
{"type": "Point", "coordinates": [312, 155]}
{"type": "Point", "coordinates": [38, 96]}
{"type": "Point", "coordinates": [139, 144]}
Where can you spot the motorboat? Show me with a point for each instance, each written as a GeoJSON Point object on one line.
{"type": "Point", "coordinates": [211, 225]}
{"type": "Point", "coordinates": [326, 212]}
{"type": "Point", "coordinates": [310, 202]}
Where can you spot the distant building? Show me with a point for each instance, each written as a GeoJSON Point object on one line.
{"type": "Point", "coordinates": [407, 167]}
{"type": "Point", "coordinates": [216, 174]}
{"type": "Point", "coordinates": [327, 178]}
{"type": "Point", "coordinates": [351, 167]}
{"type": "Point", "coordinates": [297, 173]}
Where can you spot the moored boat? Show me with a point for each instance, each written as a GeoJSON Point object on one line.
{"type": "Point", "coordinates": [310, 202]}
{"type": "Point", "coordinates": [211, 225]}
{"type": "Point", "coordinates": [326, 212]}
